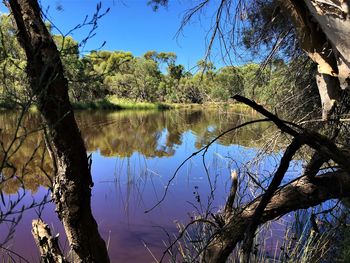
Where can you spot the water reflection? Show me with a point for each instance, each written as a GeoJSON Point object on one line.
{"type": "Point", "coordinates": [134, 154]}
{"type": "Point", "coordinates": [117, 134]}
{"type": "Point", "coordinates": [157, 133]}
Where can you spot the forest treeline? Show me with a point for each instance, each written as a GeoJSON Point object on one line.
{"type": "Point", "coordinates": [153, 77]}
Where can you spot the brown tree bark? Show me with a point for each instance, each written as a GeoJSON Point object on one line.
{"type": "Point", "coordinates": [309, 190]}
{"type": "Point", "coordinates": [73, 182]}
{"type": "Point", "coordinates": [300, 194]}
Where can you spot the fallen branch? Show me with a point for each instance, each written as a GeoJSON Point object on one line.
{"type": "Point", "coordinates": [231, 198]}
{"type": "Point", "coordinates": [300, 194]}
{"type": "Point", "coordinates": [266, 197]}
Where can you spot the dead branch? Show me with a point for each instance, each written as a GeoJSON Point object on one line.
{"type": "Point", "coordinates": [231, 198]}
{"type": "Point", "coordinates": [50, 251]}
{"type": "Point", "coordinates": [266, 197]}
{"type": "Point", "coordinates": [299, 194]}
{"type": "Point", "coordinates": [320, 143]}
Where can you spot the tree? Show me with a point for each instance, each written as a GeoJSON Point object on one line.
{"type": "Point", "coordinates": [146, 78]}
{"type": "Point", "coordinates": [319, 30]}
{"type": "Point", "coordinates": [72, 182]}
{"type": "Point", "coordinates": [161, 57]}
{"type": "Point", "coordinates": [228, 82]}
{"type": "Point", "coordinates": [13, 89]}
{"type": "Point", "coordinates": [322, 30]}
{"type": "Point", "coordinates": [176, 72]}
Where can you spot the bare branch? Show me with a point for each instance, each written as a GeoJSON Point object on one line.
{"type": "Point", "coordinates": [231, 198]}
{"type": "Point", "coordinates": [322, 144]}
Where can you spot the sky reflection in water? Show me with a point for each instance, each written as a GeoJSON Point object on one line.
{"type": "Point", "coordinates": [134, 155]}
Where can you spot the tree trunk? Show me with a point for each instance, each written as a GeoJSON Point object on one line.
{"type": "Point", "coordinates": [323, 30]}
{"type": "Point", "coordinates": [329, 90]}
{"type": "Point", "coordinates": [47, 244]}
{"type": "Point", "coordinates": [73, 182]}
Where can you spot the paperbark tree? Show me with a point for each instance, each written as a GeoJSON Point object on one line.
{"type": "Point", "coordinates": [322, 31]}
{"type": "Point", "coordinates": [72, 182]}
{"type": "Point", "coordinates": [307, 191]}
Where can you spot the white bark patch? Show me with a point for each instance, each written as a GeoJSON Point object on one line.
{"type": "Point", "coordinates": [334, 19]}
{"type": "Point", "coordinates": [328, 92]}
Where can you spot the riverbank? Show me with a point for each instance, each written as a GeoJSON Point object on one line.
{"type": "Point", "coordinates": [123, 104]}
{"type": "Point", "coordinates": [114, 103]}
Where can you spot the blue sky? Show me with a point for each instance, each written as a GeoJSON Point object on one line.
{"type": "Point", "coordinates": [133, 26]}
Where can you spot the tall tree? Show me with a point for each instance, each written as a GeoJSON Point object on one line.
{"type": "Point", "coordinates": [73, 182]}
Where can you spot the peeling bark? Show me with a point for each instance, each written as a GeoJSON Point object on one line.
{"type": "Point", "coordinates": [334, 19]}
{"type": "Point", "coordinates": [311, 39]}
{"type": "Point", "coordinates": [50, 251]}
{"type": "Point", "coordinates": [73, 182]}
{"type": "Point", "coordinates": [323, 29]}
{"type": "Point", "coordinates": [329, 90]}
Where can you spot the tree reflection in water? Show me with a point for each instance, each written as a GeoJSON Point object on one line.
{"type": "Point", "coordinates": [150, 135]}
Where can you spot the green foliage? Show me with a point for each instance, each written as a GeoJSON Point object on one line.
{"type": "Point", "coordinates": [176, 72]}
{"type": "Point", "coordinates": [103, 104]}
{"type": "Point", "coordinates": [162, 57]}
{"type": "Point", "coordinates": [267, 26]}
{"type": "Point", "coordinates": [13, 83]}
{"type": "Point", "coordinates": [132, 105]}
{"type": "Point", "coordinates": [189, 91]}
{"type": "Point", "coordinates": [154, 77]}
{"type": "Point", "coordinates": [229, 81]}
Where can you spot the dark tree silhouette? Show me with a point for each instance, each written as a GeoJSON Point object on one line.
{"type": "Point", "coordinates": [72, 183]}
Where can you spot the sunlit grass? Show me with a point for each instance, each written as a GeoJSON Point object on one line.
{"type": "Point", "coordinates": [240, 107]}
{"type": "Point", "coordinates": [115, 103]}
{"type": "Point", "coordinates": [138, 105]}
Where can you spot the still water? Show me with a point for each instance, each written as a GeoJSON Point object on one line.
{"type": "Point", "coordinates": [134, 155]}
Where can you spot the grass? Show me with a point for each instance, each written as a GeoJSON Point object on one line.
{"type": "Point", "coordinates": [211, 105]}
{"type": "Point", "coordinates": [129, 104]}
{"type": "Point", "coordinates": [308, 247]}
{"type": "Point", "coordinates": [114, 103]}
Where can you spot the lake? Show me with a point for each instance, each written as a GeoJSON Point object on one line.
{"type": "Point", "coordinates": [134, 155]}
